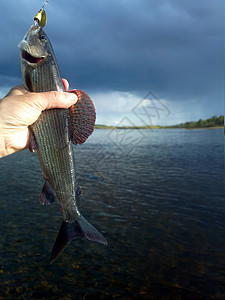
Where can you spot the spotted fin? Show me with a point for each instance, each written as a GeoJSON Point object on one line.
{"type": "Point", "coordinates": [82, 116]}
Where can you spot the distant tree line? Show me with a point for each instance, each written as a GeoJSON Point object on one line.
{"type": "Point", "coordinates": [211, 122]}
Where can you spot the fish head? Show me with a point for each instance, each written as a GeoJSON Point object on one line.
{"type": "Point", "coordinates": [35, 47]}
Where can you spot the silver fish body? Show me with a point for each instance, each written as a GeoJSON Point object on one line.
{"type": "Point", "coordinates": [53, 134]}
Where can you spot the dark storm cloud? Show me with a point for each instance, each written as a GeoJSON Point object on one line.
{"type": "Point", "coordinates": [174, 48]}
{"type": "Point", "coordinates": [169, 46]}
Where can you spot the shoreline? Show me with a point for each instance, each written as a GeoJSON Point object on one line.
{"type": "Point", "coordinates": [153, 127]}
{"type": "Point", "coordinates": [211, 123]}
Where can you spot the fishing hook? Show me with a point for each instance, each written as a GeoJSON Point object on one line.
{"type": "Point", "coordinates": [45, 3]}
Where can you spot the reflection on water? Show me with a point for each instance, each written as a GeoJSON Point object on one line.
{"type": "Point", "coordinates": [159, 202]}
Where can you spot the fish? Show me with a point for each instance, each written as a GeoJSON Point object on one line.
{"type": "Point", "coordinates": [53, 134]}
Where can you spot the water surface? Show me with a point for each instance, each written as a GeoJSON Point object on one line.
{"type": "Point", "coordinates": [156, 195]}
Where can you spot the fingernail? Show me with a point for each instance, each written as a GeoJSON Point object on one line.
{"type": "Point", "coordinates": [71, 97]}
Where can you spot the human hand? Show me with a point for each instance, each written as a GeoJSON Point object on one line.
{"type": "Point", "coordinates": [20, 108]}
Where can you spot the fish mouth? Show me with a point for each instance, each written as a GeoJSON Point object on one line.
{"type": "Point", "coordinates": [31, 59]}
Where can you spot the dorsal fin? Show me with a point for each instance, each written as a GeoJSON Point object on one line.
{"type": "Point", "coordinates": [82, 116]}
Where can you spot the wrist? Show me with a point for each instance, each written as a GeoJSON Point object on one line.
{"type": "Point", "coordinates": [3, 151]}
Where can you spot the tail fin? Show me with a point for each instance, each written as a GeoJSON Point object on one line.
{"type": "Point", "coordinates": [80, 228]}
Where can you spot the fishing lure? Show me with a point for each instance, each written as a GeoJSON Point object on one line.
{"type": "Point", "coordinates": [41, 17]}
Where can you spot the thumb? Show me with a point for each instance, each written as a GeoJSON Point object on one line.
{"type": "Point", "coordinates": [54, 99]}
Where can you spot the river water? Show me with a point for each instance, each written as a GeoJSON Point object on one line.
{"type": "Point", "coordinates": [156, 195]}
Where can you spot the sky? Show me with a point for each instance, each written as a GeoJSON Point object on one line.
{"type": "Point", "coordinates": [143, 62]}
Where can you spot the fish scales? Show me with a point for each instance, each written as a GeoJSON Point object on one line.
{"type": "Point", "coordinates": [56, 158]}
{"type": "Point", "coordinates": [53, 134]}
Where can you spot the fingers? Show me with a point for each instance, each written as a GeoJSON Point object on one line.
{"type": "Point", "coordinates": [17, 91]}
{"type": "Point", "coordinates": [60, 100]}
{"type": "Point", "coordinates": [21, 90]}
{"type": "Point", "coordinates": [47, 100]}
{"type": "Point", "coordinates": [66, 84]}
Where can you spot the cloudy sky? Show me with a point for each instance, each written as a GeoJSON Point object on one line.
{"type": "Point", "coordinates": [141, 61]}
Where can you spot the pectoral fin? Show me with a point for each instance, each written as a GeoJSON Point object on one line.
{"type": "Point", "coordinates": [32, 145]}
{"type": "Point", "coordinates": [82, 116]}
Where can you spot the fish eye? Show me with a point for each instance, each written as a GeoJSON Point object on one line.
{"type": "Point", "coordinates": [42, 38]}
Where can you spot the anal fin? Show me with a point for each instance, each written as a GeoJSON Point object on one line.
{"type": "Point", "coordinates": [48, 195]}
